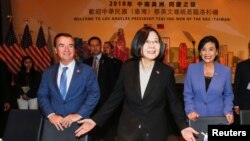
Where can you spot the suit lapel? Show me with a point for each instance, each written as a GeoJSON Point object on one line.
{"type": "Point", "coordinates": [73, 81]}
{"type": "Point", "coordinates": [202, 82]}
{"type": "Point", "coordinates": [214, 79]}
{"type": "Point", "coordinates": [137, 78]}
{"type": "Point", "coordinates": [54, 79]}
{"type": "Point", "coordinates": [101, 65]}
{"type": "Point", "coordinates": [153, 79]}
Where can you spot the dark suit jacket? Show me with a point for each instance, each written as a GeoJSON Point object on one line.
{"type": "Point", "coordinates": [82, 95]}
{"type": "Point", "coordinates": [117, 66]}
{"type": "Point", "coordinates": [4, 87]}
{"type": "Point", "coordinates": [147, 116]}
{"type": "Point", "coordinates": [34, 79]}
{"type": "Point", "coordinates": [241, 81]}
{"type": "Point", "coordinates": [106, 78]}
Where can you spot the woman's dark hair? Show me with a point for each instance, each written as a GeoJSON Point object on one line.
{"type": "Point", "coordinates": [139, 40]}
{"type": "Point", "coordinates": [205, 40]}
{"type": "Point", "coordinates": [23, 68]}
{"type": "Point", "coordinates": [62, 35]}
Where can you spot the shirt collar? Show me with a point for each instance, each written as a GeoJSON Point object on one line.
{"type": "Point", "coordinates": [70, 65]}
{"type": "Point", "coordinates": [98, 56]}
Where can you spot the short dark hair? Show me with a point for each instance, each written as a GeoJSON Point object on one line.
{"type": "Point", "coordinates": [95, 38]}
{"type": "Point", "coordinates": [60, 35]}
{"type": "Point", "coordinates": [139, 40]}
{"type": "Point", "coordinates": [110, 44]}
{"type": "Point", "coordinates": [205, 40]}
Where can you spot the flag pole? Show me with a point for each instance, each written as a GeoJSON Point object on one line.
{"type": "Point", "coordinates": [10, 17]}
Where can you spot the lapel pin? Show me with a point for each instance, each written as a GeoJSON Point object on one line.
{"type": "Point", "coordinates": [77, 70]}
{"type": "Point", "coordinates": [158, 72]}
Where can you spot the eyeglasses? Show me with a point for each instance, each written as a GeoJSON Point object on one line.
{"type": "Point", "coordinates": [156, 42]}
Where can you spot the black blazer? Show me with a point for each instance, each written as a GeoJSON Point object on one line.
{"type": "Point", "coordinates": [117, 66]}
{"type": "Point", "coordinates": [106, 78]}
{"type": "Point", "coordinates": [147, 116]}
{"type": "Point", "coordinates": [241, 81]}
{"type": "Point", "coordinates": [32, 79]}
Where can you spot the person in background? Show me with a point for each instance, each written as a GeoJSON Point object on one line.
{"type": "Point", "coordinates": [104, 67]}
{"type": "Point", "coordinates": [4, 95]}
{"type": "Point", "coordinates": [207, 85]}
{"type": "Point", "coordinates": [27, 82]}
{"type": "Point", "coordinates": [147, 87]}
{"type": "Point", "coordinates": [68, 90]}
{"type": "Point", "coordinates": [108, 49]}
{"type": "Point", "coordinates": [241, 87]}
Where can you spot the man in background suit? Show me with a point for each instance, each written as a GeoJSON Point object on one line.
{"type": "Point", "coordinates": [108, 49]}
{"type": "Point", "coordinates": [105, 72]}
{"type": "Point", "coordinates": [82, 91]}
{"type": "Point", "coordinates": [4, 95]}
{"type": "Point", "coordinates": [242, 87]}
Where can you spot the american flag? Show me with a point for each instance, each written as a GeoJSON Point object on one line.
{"type": "Point", "coordinates": [10, 52]}
{"type": "Point", "coordinates": [29, 49]}
{"type": "Point", "coordinates": [42, 46]}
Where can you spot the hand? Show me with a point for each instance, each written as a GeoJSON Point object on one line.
{"type": "Point", "coordinates": [87, 125]}
{"type": "Point", "coordinates": [68, 120]}
{"type": "Point", "coordinates": [193, 116]}
{"type": "Point", "coordinates": [25, 97]}
{"type": "Point", "coordinates": [230, 118]}
{"type": "Point", "coordinates": [56, 120]}
{"type": "Point", "coordinates": [188, 134]}
{"type": "Point", "coordinates": [237, 110]}
{"type": "Point", "coordinates": [6, 106]}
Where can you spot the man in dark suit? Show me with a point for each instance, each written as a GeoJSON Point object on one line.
{"type": "Point", "coordinates": [67, 95]}
{"type": "Point", "coordinates": [241, 87]}
{"type": "Point", "coordinates": [4, 95]}
{"type": "Point", "coordinates": [105, 72]}
{"type": "Point", "coordinates": [108, 49]}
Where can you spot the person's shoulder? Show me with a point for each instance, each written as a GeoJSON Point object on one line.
{"type": "Point", "coordinates": [88, 60]}
{"type": "Point", "coordinates": [51, 68]}
{"type": "Point", "coordinates": [164, 66]}
{"type": "Point", "coordinates": [195, 65]}
{"type": "Point", "coordinates": [223, 67]}
{"type": "Point", "coordinates": [36, 72]}
{"type": "Point", "coordinates": [243, 63]}
{"type": "Point", "coordinates": [3, 64]}
{"type": "Point", "coordinates": [116, 60]}
{"type": "Point", "coordinates": [105, 57]}
{"type": "Point", "coordinates": [131, 61]}
{"type": "Point", "coordinates": [83, 65]}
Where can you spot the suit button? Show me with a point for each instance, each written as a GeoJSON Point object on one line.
{"type": "Point", "coordinates": [139, 126]}
{"type": "Point", "coordinates": [147, 134]}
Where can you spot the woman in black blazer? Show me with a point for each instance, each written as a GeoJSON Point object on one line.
{"type": "Point", "coordinates": [147, 88]}
{"type": "Point", "coordinates": [29, 78]}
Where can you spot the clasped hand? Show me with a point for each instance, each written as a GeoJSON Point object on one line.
{"type": "Point", "coordinates": [63, 122]}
